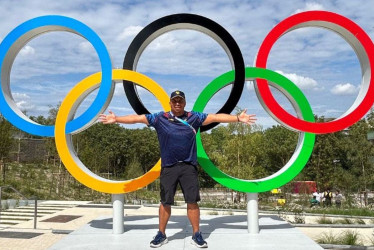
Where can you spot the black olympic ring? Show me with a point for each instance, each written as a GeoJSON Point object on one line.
{"type": "Point", "coordinates": [193, 22]}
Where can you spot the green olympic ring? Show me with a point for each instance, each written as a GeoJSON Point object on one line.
{"type": "Point", "coordinates": [303, 150]}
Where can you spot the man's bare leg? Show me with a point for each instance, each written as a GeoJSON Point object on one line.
{"type": "Point", "coordinates": [193, 213]}
{"type": "Point", "coordinates": [163, 217]}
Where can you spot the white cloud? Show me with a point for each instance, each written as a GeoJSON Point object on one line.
{"type": "Point", "coordinates": [22, 101]}
{"type": "Point", "coordinates": [27, 50]}
{"type": "Point", "coordinates": [21, 104]}
{"type": "Point", "coordinates": [164, 42]}
{"type": "Point", "coordinates": [121, 109]}
{"type": "Point", "coordinates": [24, 105]}
{"type": "Point", "coordinates": [20, 96]}
{"type": "Point", "coordinates": [118, 90]}
{"type": "Point", "coordinates": [310, 6]}
{"type": "Point", "coordinates": [344, 89]}
{"type": "Point", "coordinates": [180, 57]}
{"type": "Point", "coordinates": [302, 82]}
{"type": "Point", "coordinates": [128, 32]}
{"type": "Point", "coordinates": [85, 47]}
{"type": "Point", "coordinates": [249, 85]}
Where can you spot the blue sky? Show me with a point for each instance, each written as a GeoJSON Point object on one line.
{"type": "Point", "coordinates": [320, 62]}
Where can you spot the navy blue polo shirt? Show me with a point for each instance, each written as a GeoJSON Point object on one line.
{"type": "Point", "coordinates": [177, 140]}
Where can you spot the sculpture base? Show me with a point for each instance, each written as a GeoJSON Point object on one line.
{"type": "Point", "coordinates": [221, 232]}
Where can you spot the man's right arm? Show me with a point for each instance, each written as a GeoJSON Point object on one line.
{"type": "Point", "coordinates": [131, 119]}
{"type": "Point", "coordinates": [127, 119]}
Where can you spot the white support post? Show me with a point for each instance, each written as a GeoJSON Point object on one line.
{"type": "Point", "coordinates": [252, 213]}
{"type": "Point", "coordinates": [118, 213]}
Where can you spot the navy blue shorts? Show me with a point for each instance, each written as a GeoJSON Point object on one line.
{"type": "Point", "coordinates": [186, 175]}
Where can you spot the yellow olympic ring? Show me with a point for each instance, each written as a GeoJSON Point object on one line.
{"type": "Point", "coordinates": [63, 141]}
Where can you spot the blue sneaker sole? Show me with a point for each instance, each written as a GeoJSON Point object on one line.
{"type": "Point", "coordinates": [162, 243]}
{"type": "Point", "coordinates": [199, 246]}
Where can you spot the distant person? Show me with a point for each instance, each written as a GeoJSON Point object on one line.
{"type": "Point", "coordinates": [176, 131]}
{"type": "Point", "coordinates": [314, 201]}
{"type": "Point", "coordinates": [322, 198]}
{"type": "Point", "coordinates": [317, 195]}
{"type": "Point", "coordinates": [328, 197]}
{"type": "Point", "coordinates": [281, 201]}
{"type": "Point", "coordinates": [338, 199]}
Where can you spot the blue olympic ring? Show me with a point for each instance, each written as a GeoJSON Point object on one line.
{"type": "Point", "coordinates": [32, 28]}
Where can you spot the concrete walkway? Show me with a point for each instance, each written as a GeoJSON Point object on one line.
{"type": "Point", "coordinates": [220, 231]}
{"type": "Point", "coordinates": [23, 236]}
{"type": "Point", "coordinates": [91, 228]}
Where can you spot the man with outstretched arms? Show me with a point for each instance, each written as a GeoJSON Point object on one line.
{"type": "Point", "coordinates": [176, 131]}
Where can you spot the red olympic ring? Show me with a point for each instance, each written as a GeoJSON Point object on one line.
{"type": "Point", "coordinates": [300, 20]}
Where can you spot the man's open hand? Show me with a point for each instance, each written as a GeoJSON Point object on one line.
{"type": "Point", "coordinates": [108, 119]}
{"type": "Point", "coordinates": [245, 118]}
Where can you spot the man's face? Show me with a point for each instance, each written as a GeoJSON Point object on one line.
{"type": "Point", "coordinates": [177, 105]}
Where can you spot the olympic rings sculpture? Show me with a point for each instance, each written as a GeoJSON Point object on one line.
{"type": "Point", "coordinates": [104, 80]}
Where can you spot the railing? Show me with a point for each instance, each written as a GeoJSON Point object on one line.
{"type": "Point", "coordinates": [31, 198]}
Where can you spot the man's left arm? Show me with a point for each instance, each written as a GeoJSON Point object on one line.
{"type": "Point", "coordinates": [226, 118]}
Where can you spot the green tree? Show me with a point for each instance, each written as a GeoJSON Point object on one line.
{"type": "Point", "coordinates": [323, 162]}
{"type": "Point", "coordinates": [360, 154]}
{"type": "Point", "coordinates": [111, 149]}
{"type": "Point", "coordinates": [144, 147]}
{"type": "Point", "coordinates": [103, 149]}
{"type": "Point", "coordinates": [52, 154]}
{"type": "Point", "coordinates": [278, 146]}
{"type": "Point", "coordinates": [234, 149]}
{"type": "Point", "coordinates": [6, 139]}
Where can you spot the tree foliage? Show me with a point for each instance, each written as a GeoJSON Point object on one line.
{"type": "Point", "coordinates": [6, 137]}
{"type": "Point", "coordinates": [341, 160]}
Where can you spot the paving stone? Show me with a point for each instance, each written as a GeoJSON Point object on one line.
{"type": "Point", "coordinates": [62, 218]}
{"type": "Point", "coordinates": [19, 235]}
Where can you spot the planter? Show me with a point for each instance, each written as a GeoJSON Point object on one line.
{"type": "Point", "coordinates": [4, 204]}
{"type": "Point", "coordinates": [12, 203]}
{"type": "Point", "coordinates": [23, 202]}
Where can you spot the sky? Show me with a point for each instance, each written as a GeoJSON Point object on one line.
{"type": "Point", "coordinates": [321, 63]}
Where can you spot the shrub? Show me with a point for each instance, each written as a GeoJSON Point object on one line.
{"type": "Point", "coordinates": [344, 221]}
{"type": "Point", "coordinates": [327, 238]}
{"type": "Point", "coordinates": [350, 237]}
{"type": "Point", "coordinates": [324, 220]}
{"type": "Point", "coordinates": [213, 213]}
{"type": "Point", "coordinates": [360, 221]}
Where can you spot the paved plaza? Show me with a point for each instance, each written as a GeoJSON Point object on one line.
{"type": "Point", "coordinates": [220, 231]}
{"type": "Point", "coordinates": [89, 226]}
{"type": "Point", "coordinates": [83, 225]}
